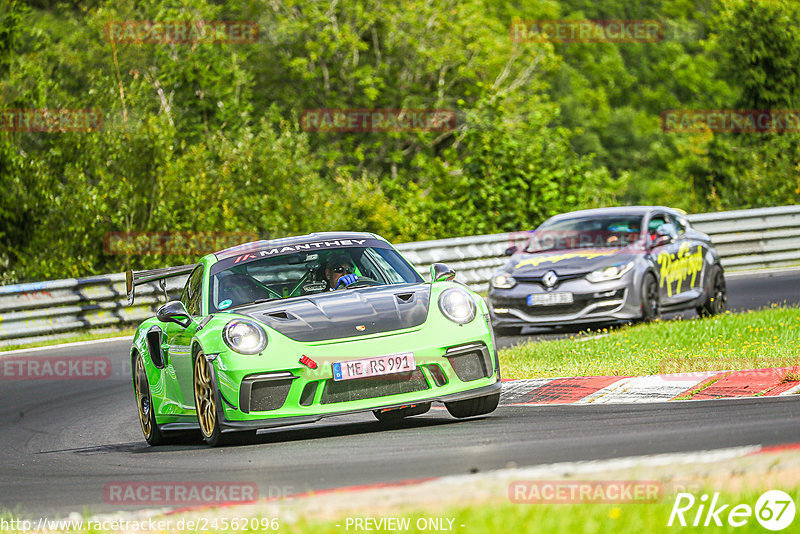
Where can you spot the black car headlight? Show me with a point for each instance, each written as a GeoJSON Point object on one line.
{"type": "Point", "coordinates": [503, 281]}
{"type": "Point", "coordinates": [457, 305]}
{"type": "Point", "coordinates": [612, 272]}
{"type": "Point", "coordinates": [245, 337]}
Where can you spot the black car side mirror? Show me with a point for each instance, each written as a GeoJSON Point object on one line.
{"type": "Point", "coordinates": [441, 273]}
{"type": "Point", "coordinates": [510, 251]}
{"type": "Point", "coordinates": [174, 312]}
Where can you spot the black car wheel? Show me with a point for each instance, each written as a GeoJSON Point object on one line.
{"type": "Point", "coordinates": [651, 308]}
{"type": "Point", "coordinates": [717, 300]}
{"type": "Point", "coordinates": [473, 407]}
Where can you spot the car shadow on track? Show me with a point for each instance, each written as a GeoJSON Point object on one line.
{"type": "Point", "coordinates": [314, 431]}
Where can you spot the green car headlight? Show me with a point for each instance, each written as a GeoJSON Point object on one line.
{"type": "Point", "coordinates": [503, 281]}
{"type": "Point", "coordinates": [245, 337]}
{"type": "Point", "coordinates": [457, 305]}
{"type": "Point", "coordinates": [611, 272]}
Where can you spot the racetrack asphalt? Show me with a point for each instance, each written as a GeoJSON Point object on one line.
{"type": "Point", "coordinates": [62, 442]}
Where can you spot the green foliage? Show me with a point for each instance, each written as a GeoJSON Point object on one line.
{"type": "Point", "coordinates": [206, 137]}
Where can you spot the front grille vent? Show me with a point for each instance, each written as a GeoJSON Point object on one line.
{"type": "Point", "coordinates": [372, 387]}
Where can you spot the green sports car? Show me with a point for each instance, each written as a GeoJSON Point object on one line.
{"type": "Point", "coordinates": [292, 330]}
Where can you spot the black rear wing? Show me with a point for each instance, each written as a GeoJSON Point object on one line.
{"type": "Point", "coordinates": [137, 278]}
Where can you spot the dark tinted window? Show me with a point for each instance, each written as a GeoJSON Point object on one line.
{"type": "Point", "coordinates": [193, 291]}
{"type": "Point", "coordinates": [598, 231]}
{"type": "Point", "coordinates": [304, 273]}
{"type": "Point", "coordinates": [657, 221]}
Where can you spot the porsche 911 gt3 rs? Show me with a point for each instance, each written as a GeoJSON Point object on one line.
{"type": "Point", "coordinates": [264, 336]}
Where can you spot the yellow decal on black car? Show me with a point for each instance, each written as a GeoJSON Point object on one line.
{"type": "Point", "coordinates": [679, 266]}
{"type": "Point", "coordinates": [536, 261]}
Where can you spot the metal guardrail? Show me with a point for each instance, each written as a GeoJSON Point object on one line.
{"type": "Point", "coordinates": [745, 239]}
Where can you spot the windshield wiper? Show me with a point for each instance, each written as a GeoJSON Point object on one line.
{"type": "Point", "coordinates": [259, 301]}
{"type": "Point", "coordinates": [262, 301]}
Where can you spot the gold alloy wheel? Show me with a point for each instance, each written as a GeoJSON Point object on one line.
{"type": "Point", "coordinates": [204, 395]}
{"type": "Point", "coordinates": [143, 398]}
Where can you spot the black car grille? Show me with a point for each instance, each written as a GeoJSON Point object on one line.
{"type": "Point", "coordinates": [521, 304]}
{"type": "Point", "coordinates": [471, 364]}
{"type": "Point", "coordinates": [307, 396]}
{"type": "Point", "coordinates": [263, 395]}
{"type": "Point", "coordinates": [538, 278]}
{"type": "Point", "coordinates": [371, 387]}
{"type": "Point", "coordinates": [580, 301]}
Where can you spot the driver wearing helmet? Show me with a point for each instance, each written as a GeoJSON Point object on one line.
{"type": "Point", "coordinates": [339, 271]}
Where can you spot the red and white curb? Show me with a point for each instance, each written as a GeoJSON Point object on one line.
{"type": "Point", "coordinates": [450, 484]}
{"type": "Point", "coordinates": [706, 385]}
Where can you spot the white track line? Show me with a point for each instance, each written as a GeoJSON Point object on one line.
{"type": "Point", "coordinates": [791, 391]}
{"type": "Point", "coordinates": [755, 272]}
{"type": "Point", "coordinates": [62, 345]}
{"type": "Point", "coordinates": [654, 388]}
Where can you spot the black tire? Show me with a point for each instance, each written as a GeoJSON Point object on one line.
{"type": "Point", "coordinates": [399, 414]}
{"type": "Point", "coordinates": [144, 404]}
{"type": "Point", "coordinates": [717, 300]}
{"type": "Point", "coordinates": [473, 407]}
{"type": "Point", "coordinates": [507, 330]}
{"type": "Point", "coordinates": [651, 307]}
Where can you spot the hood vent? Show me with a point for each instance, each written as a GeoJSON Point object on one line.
{"type": "Point", "coordinates": [281, 315]}
{"type": "Point", "coordinates": [405, 297]}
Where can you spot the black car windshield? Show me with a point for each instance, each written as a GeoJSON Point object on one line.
{"type": "Point", "coordinates": [606, 231]}
{"type": "Point", "coordinates": [306, 273]}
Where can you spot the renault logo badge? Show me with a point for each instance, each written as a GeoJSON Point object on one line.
{"type": "Point", "coordinates": [549, 279]}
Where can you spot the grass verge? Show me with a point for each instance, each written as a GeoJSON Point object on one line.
{"type": "Point", "coordinates": [733, 341]}
{"type": "Point", "coordinates": [564, 518]}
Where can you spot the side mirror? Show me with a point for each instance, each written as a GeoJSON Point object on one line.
{"type": "Point", "coordinates": [174, 312]}
{"type": "Point", "coordinates": [510, 251]}
{"type": "Point", "coordinates": [665, 235]}
{"type": "Point", "coordinates": [441, 273]}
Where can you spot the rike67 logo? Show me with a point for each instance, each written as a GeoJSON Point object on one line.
{"type": "Point", "coordinates": [774, 510]}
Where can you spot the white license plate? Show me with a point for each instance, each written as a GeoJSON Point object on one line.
{"type": "Point", "coordinates": [550, 299]}
{"type": "Point", "coordinates": [376, 366]}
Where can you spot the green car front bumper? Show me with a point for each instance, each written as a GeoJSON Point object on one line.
{"type": "Point", "coordinates": [250, 397]}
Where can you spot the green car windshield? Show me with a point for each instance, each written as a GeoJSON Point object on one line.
{"type": "Point", "coordinates": [306, 273]}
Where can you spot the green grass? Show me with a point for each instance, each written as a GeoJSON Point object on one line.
{"type": "Point", "coordinates": [566, 518]}
{"type": "Point", "coordinates": [750, 340]}
{"type": "Point", "coordinates": [70, 339]}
